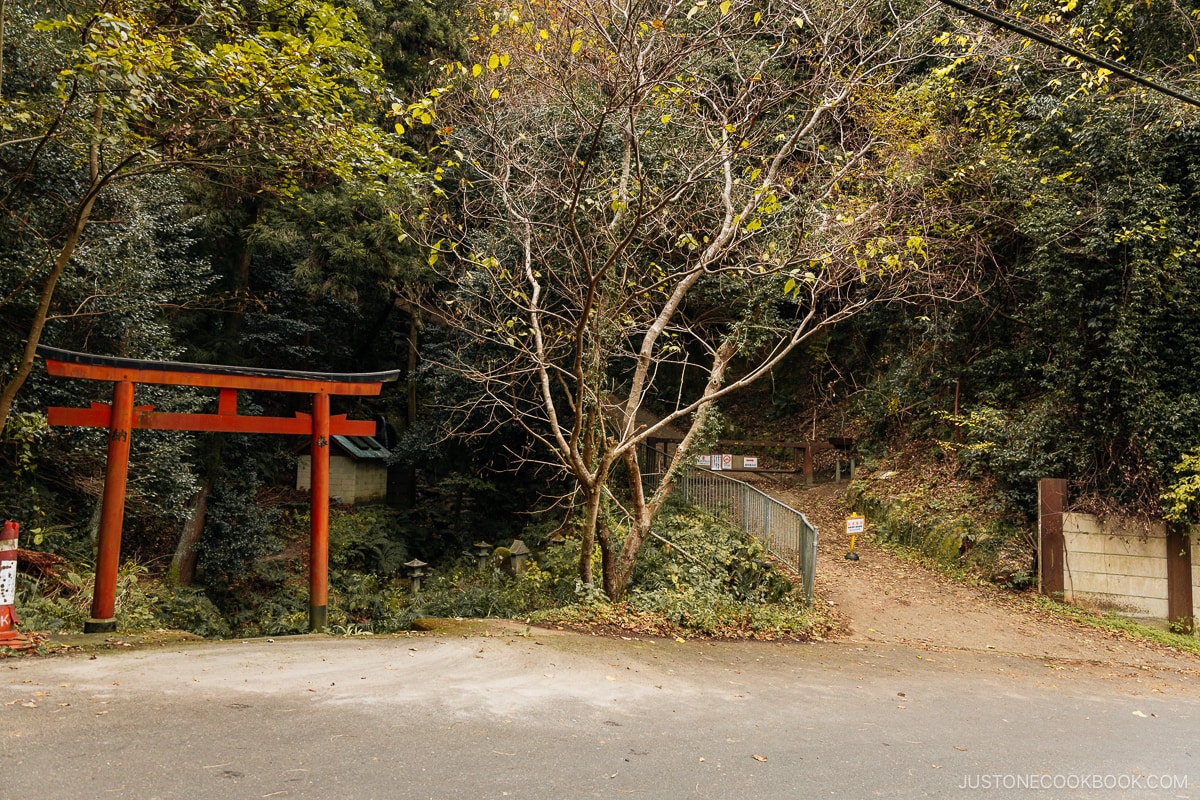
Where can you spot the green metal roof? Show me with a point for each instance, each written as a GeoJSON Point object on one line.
{"type": "Point", "coordinates": [363, 446]}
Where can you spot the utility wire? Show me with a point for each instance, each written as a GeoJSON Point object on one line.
{"type": "Point", "coordinates": [1010, 23]}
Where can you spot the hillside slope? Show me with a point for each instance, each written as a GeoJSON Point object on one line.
{"type": "Point", "coordinates": [883, 599]}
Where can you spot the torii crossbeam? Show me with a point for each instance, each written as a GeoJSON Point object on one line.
{"type": "Point", "coordinates": [122, 417]}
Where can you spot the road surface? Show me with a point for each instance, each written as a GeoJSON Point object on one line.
{"type": "Point", "coordinates": [549, 714]}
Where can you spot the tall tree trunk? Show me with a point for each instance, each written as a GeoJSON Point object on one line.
{"type": "Point", "coordinates": [591, 505]}
{"type": "Point", "coordinates": [409, 474]}
{"type": "Point", "coordinates": [3, 19]}
{"type": "Point", "coordinates": [183, 565]}
{"type": "Point", "coordinates": [231, 337]}
{"type": "Point", "coordinates": [83, 213]}
{"type": "Point", "coordinates": [10, 389]}
{"type": "Point", "coordinates": [643, 510]}
{"type": "Point", "coordinates": [607, 573]}
{"type": "Point", "coordinates": [618, 570]}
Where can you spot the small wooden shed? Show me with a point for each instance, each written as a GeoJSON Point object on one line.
{"type": "Point", "coordinates": [357, 469]}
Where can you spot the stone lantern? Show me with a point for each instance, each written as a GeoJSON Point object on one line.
{"type": "Point", "coordinates": [416, 571]}
{"type": "Point", "coordinates": [519, 553]}
{"type": "Point", "coordinates": [483, 551]}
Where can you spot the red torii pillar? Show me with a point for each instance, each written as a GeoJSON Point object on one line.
{"type": "Point", "coordinates": [122, 417]}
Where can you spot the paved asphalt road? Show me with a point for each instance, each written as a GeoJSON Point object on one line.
{"type": "Point", "coordinates": [554, 715]}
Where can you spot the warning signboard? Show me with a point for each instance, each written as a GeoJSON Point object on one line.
{"type": "Point", "coordinates": [856, 524]}
{"type": "Point", "coordinates": [727, 461]}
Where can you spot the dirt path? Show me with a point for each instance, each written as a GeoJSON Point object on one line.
{"type": "Point", "coordinates": [884, 599]}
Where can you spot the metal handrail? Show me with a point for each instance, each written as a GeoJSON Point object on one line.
{"type": "Point", "coordinates": [785, 532]}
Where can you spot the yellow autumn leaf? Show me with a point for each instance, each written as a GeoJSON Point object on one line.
{"type": "Point", "coordinates": [495, 93]}
{"type": "Point", "coordinates": [504, 60]}
{"type": "Point", "coordinates": [475, 70]}
{"type": "Point", "coordinates": [544, 34]}
{"type": "Point", "coordinates": [664, 119]}
{"type": "Point", "coordinates": [725, 7]}
{"type": "Point", "coordinates": [399, 128]}
{"type": "Point", "coordinates": [493, 61]}
{"type": "Point", "coordinates": [575, 46]}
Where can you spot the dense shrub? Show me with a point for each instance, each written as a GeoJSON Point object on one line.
{"type": "Point", "coordinates": [143, 604]}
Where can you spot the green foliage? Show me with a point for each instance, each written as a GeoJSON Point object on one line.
{"type": "Point", "coordinates": [1015, 445]}
{"type": "Point", "coordinates": [465, 590]}
{"type": "Point", "coordinates": [1182, 500]}
{"type": "Point", "coordinates": [711, 580]}
{"type": "Point", "coordinates": [188, 609]}
{"type": "Point", "coordinates": [368, 540]}
{"type": "Point", "coordinates": [707, 557]}
{"type": "Point", "coordinates": [455, 509]}
{"type": "Point", "coordinates": [680, 617]}
{"type": "Point", "coordinates": [411, 35]}
{"type": "Point", "coordinates": [1121, 625]}
{"type": "Point", "coordinates": [113, 96]}
{"type": "Point", "coordinates": [54, 608]}
{"type": "Point", "coordinates": [129, 272]}
{"type": "Point", "coordinates": [179, 83]}
{"type": "Point", "coordinates": [1074, 354]}
{"type": "Point", "coordinates": [237, 531]}
{"type": "Point", "coordinates": [142, 604]}
{"type": "Point", "coordinates": [1077, 354]}
{"type": "Point", "coordinates": [21, 498]}
{"type": "Point", "coordinates": [261, 585]}
{"type": "Point", "coordinates": [956, 524]}
{"type": "Point", "coordinates": [368, 603]}
{"type": "Point", "coordinates": [725, 588]}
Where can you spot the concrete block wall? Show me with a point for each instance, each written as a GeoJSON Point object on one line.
{"type": "Point", "coordinates": [1116, 567]}
{"type": "Point", "coordinates": [370, 480]}
{"type": "Point", "coordinates": [350, 480]}
{"type": "Point", "coordinates": [1194, 548]}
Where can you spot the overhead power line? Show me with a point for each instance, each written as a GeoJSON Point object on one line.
{"type": "Point", "coordinates": [1011, 23]}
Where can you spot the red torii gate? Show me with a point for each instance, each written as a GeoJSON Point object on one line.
{"type": "Point", "coordinates": [121, 417]}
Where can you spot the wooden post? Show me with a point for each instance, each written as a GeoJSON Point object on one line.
{"type": "Point", "coordinates": [318, 565]}
{"type": "Point", "coordinates": [112, 511]}
{"type": "Point", "coordinates": [808, 464]}
{"type": "Point", "coordinates": [1179, 579]}
{"type": "Point", "coordinates": [1052, 499]}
